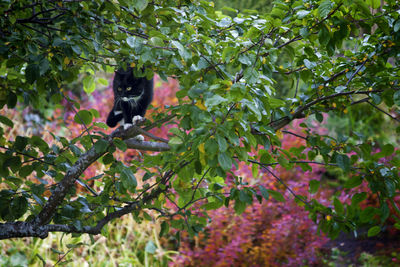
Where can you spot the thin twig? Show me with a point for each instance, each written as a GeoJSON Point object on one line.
{"type": "Point", "coordinates": [195, 189]}
{"type": "Point", "coordinates": [282, 182]}
{"type": "Point", "coordinates": [378, 108]}
{"type": "Point", "coordinates": [27, 155]}
{"type": "Point", "coordinates": [62, 257]}
{"type": "Point", "coordinates": [152, 136]}
{"type": "Point", "coordinates": [294, 134]}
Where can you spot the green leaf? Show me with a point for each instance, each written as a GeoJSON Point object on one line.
{"type": "Point", "coordinates": [319, 117]}
{"type": "Point", "coordinates": [40, 143]}
{"type": "Point", "coordinates": [357, 198]}
{"type": "Point", "coordinates": [14, 163]}
{"type": "Point", "coordinates": [222, 144]}
{"type": "Point", "coordinates": [245, 197]}
{"type": "Point", "coordinates": [147, 216]}
{"type": "Point", "coordinates": [44, 66]}
{"type": "Point", "coordinates": [95, 113]}
{"type": "Point", "coordinates": [251, 75]}
{"type": "Point", "coordinates": [229, 52]}
{"type": "Point", "coordinates": [11, 100]}
{"type": "Point", "coordinates": [396, 26]}
{"type": "Point", "coordinates": [340, 88]}
{"type": "Point", "coordinates": [32, 72]}
{"type": "Point", "coordinates": [128, 179]}
{"type": "Point", "coordinates": [156, 41]}
{"type": "Point", "coordinates": [121, 145]}
{"type": "Point", "coordinates": [309, 64]}
{"type": "Point", "coordinates": [133, 42]}
{"type": "Point", "coordinates": [6, 121]}
{"type": "Point", "coordinates": [89, 84]}
{"type": "Point", "coordinates": [324, 35]}
{"type": "Point", "coordinates": [239, 207]}
{"type": "Point", "coordinates": [101, 125]}
{"type": "Point", "coordinates": [367, 214]}
{"type": "Point", "coordinates": [302, 13]}
{"type": "Point", "coordinates": [103, 81]}
{"type": "Point", "coordinates": [244, 59]}
{"type": "Point", "coordinates": [18, 206]}
{"type": "Point", "coordinates": [396, 98]}
{"type": "Point", "coordinates": [108, 158]}
{"type": "Point", "coordinates": [343, 162]}
{"type": "Point", "coordinates": [212, 205]}
{"type": "Point", "coordinates": [140, 5]}
{"type": "Point", "coordinates": [362, 7]}
{"type": "Point", "coordinates": [184, 53]}
{"type": "Point", "coordinates": [252, 106]}
{"type": "Point", "coordinates": [373, 231]}
{"type": "Point", "coordinates": [214, 101]}
{"type": "Point", "coordinates": [304, 32]}
{"type": "Point", "coordinates": [284, 162]}
{"type": "Point", "coordinates": [83, 117]}
{"type": "Point", "coordinates": [324, 8]}
{"type": "Point", "coordinates": [175, 141]}
{"type": "Point", "coordinates": [211, 147]}
{"type": "Point", "coordinates": [314, 185]}
{"type": "Point", "coordinates": [353, 182]}
{"type": "Point", "coordinates": [374, 3]}
{"type": "Point", "coordinates": [20, 143]}
{"type": "Point", "coordinates": [25, 170]}
{"type": "Point", "coordinates": [390, 187]}
{"type": "Point", "coordinates": [101, 146]}
{"type": "Point", "coordinates": [164, 229]}
{"type": "Point", "coordinates": [338, 206]}
{"type": "Point", "coordinates": [225, 161]}
{"type": "Point", "coordinates": [264, 192]}
{"type": "Point", "coordinates": [276, 195]}
{"type": "Point", "coordinates": [376, 99]}
{"type": "Point", "coordinates": [387, 150]}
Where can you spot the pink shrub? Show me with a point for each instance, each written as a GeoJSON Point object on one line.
{"type": "Point", "coordinates": [268, 234]}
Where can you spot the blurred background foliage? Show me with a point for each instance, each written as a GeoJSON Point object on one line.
{"type": "Point", "coordinates": [261, 6]}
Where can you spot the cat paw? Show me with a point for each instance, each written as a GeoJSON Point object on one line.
{"type": "Point", "coordinates": [127, 125]}
{"type": "Point", "coordinates": [137, 119]}
{"type": "Point", "coordinates": [139, 137]}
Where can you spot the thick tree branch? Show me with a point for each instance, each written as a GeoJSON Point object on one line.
{"type": "Point", "coordinates": [145, 145]}
{"type": "Point", "coordinates": [39, 226]}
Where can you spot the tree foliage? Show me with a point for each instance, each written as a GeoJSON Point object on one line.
{"type": "Point", "coordinates": [335, 57]}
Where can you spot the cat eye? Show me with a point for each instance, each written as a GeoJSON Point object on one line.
{"type": "Point", "coordinates": [128, 88]}
{"type": "Point", "coordinates": [119, 89]}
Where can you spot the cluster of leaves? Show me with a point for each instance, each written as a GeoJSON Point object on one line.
{"type": "Point", "coordinates": [229, 112]}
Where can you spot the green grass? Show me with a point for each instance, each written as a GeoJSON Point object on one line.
{"type": "Point", "coordinates": [124, 243]}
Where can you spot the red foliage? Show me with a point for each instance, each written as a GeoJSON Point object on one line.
{"type": "Point", "coordinates": [267, 234]}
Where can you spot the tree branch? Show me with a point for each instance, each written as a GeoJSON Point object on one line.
{"type": "Point", "coordinates": [381, 110]}
{"type": "Point", "coordinates": [146, 145]}
{"type": "Point", "coordinates": [39, 226]}
{"type": "Point", "coordinates": [299, 113]}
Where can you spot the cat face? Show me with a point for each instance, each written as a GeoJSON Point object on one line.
{"type": "Point", "coordinates": [126, 86]}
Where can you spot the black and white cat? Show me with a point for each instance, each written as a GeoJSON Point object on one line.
{"type": "Point", "coordinates": [132, 96]}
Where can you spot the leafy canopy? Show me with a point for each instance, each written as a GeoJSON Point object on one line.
{"type": "Point", "coordinates": [242, 79]}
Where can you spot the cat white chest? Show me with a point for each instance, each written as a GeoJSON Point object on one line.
{"type": "Point", "coordinates": [134, 98]}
